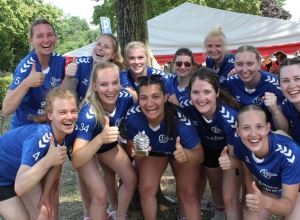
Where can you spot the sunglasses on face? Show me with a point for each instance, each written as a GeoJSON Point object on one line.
{"type": "Point", "coordinates": [143, 79]}
{"type": "Point", "coordinates": [186, 63]}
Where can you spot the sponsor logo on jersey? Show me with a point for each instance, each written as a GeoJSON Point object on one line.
{"type": "Point", "coordinates": [54, 81]}
{"type": "Point", "coordinates": [238, 98]}
{"type": "Point", "coordinates": [222, 79]}
{"type": "Point", "coordinates": [215, 129]}
{"type": "Point", "coordinates": [163, 138]}
{"type": "Point", "coordinates": [257, 101]}
{"type": "Point", "coordinates": [267, 174]}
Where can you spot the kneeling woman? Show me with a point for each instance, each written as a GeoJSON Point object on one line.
{"type": "Point", "coordinates": [170, 134]}
{"type": "Point", "coordinates": [271, 163]}
{"type": "Point", "coordinates": [27, 153]}
{"type": "Point", "coordinates": [100, 117]}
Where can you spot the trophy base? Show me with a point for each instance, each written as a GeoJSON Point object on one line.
{"type": "Point", "coordinates": [142, 152]}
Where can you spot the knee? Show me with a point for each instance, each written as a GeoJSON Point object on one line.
{"type": "Point", "coordinates": [188, 196]}
{"type": "Point", "coordinates": [99, 197]}
{"type": "Point", "coordinates": [147, 191]}
{"type": "Point", "coordinates": [229, 200]}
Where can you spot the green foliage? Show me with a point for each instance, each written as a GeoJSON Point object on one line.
{"type": "Point", "coordinates": [157, 7]}
{"type": "Point", "coordinates": [5, 82]}
{"type": "Point", "coordinates": [15, 19]}
{"type": "Point", "coordinates": [74, 33]}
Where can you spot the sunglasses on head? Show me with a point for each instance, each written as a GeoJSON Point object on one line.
{"type": "Point", "coordinates": [142, 79]}
{"type": "Point", "coordinates": [186, 63]}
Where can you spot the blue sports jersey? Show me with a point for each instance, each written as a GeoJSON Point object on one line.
{"type": "Point", "coordinates": [180, 92]}
{"type": "Point", "coordinates": [88, 128]}
{"type": "Point", "coordinates": [222, 125]}
{"type": "Point", "coordinates": [226, 66]}
{"type": "Point", "coordinates": [25, 145]}
{"type": "Point", "coordinates": [83, 74]}
{"type": "Point", "coordinates": [280, 166]}
{"type": "Point", "coordinates": [150, 72]}
{"type": "Point", "coordinates": [268, 83]}
{"type": "Point", "coordinates": [136, 122]}
{"type": "Point", "coordinates": [34, 100]}
{"type": "Point", "coordinates": [290, 112]}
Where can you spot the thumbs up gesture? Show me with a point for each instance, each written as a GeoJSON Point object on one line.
{"type": "Point", "coordinates": [180, 154]}
{"type": "Point", "coordinates": [224, 159]}
{"type": "Point", "coordinates": [109, 134]}
{"type": "Point", "coordinates": [255, 201]}
{"type": "Point", "coordinates": [35, 79]}
{"type": "Point", "coordinates": [56, 155]}
{"type": "Point", "coordinates": [72, 68]}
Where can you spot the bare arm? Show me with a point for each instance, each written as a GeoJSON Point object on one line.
{"type": "Point", "coordinates": [229, 161]}
{"type": "Point", "coordinates": [133, 93]}
{"type": "Point", "coordinates": [84, 150]}
{"type": "Point", "coordinates": [13, 98]}
{"type": "Point", "coordinates": [173, 98]}
{"type": "Point", "coordinates": [67, 83]}
{"type": "Point", "coordinates": [194, 155]}
{"type": "Point", "coordinates": [258, 199]}
{"type": "Point", "coordinates": [28, 177]}
{"type": "Point", "coordinates": [280, 121]}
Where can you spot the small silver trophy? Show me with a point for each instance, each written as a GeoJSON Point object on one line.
{"type": "Point", "coordinates": [141, 141]}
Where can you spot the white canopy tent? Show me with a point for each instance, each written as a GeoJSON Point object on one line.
{"type": "Point", "coordinates": [188, 24]}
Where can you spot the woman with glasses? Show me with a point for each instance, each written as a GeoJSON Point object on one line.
{"type": "Point", "coordinates": [169, 134]}
{"type": "Point", "coordinates": [214, 112]}
{"type": "Point", "coordinates": [101, 115]}
{"type": "Point", "coordinates": [271, 163]}
{"type": "Point", "coordinates": [218, 58]}
{"type": "Point", "coordinates": [136, 57]}
{"type": "Point", "coordinates": [183, 68]}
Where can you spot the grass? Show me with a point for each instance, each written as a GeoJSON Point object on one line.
{"type": "Point", "coordinates": [70, 207]}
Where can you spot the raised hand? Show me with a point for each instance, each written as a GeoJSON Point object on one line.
{"type": "Point", "coordinates": [180, 154]}
{"type": "Point", "coordinates": [72, 68]}
{"type": "Point", "coordinates": [224, 159]}
{"type": "Point", "coordinates": [35, 79]}
{"type": "Point", "coordinates": [255, 201]}
{"type": "Point", "coordinates": [56, 155]}
{"type": "Point", "coordinates": [270, 100]}
{"type": "Point", "coordinates": [109, 134]}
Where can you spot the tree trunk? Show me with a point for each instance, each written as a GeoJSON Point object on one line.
{"type": "Point", "coordinates": [132, 25]}
{"type": "Point", "coordinates": [132, 22]}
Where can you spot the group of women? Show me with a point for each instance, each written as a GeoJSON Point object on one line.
{"type": "Point", "coordinates": [222, 130]}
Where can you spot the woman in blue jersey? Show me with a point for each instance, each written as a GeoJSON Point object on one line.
{"type": "Point", "coordinates": [218, 58]}
{"type": "Point", "coordinates": [271, 163]}
{"type": "Point", "coordinates": [136, 57]}
{"type": "Point", "coordinates": [183, 68]}
{"type": "Point", "coordinates": [39, 71]}
{"type": "Point", "coordinates": [214, 112]}
{"type": "Point", "coordinates": [101, 115]}
{"type": "Point", "coordinates": [289, 80]}
{"type": "Point", "coordinates": [33, 154]}
{"type": "Point", "coordinates": [106, 49]}
{"type": "Point", "coordinates": [171, 134]}
{"type": "Point", "coordinates": [253, 86]}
